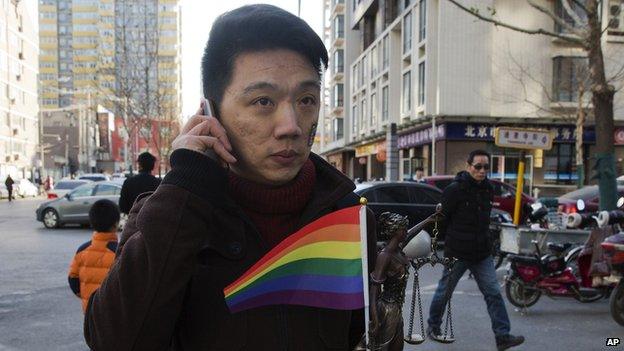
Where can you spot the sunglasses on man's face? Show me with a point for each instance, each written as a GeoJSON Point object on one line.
{"type": "Point", "coordinates": [479, 166]}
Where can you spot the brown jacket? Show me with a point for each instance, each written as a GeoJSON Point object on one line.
{"type": "Point", "coordinates": [187, 241]}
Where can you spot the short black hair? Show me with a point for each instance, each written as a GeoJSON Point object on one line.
{"type": "Point", "coordinates": [104, 215]}
{"type": "Point", "coordinates": [419, 169]}
{"type": "Point", "coordinates": [477, 152]}
{"type": "Point", "coordinates": [255, 28]}
{"type": "Point", "coordinates": [146, 161]}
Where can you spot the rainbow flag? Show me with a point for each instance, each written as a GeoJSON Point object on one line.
{"type": "Point", "coordinates": [320, 265]}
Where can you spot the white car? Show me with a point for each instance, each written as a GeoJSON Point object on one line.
{"type": "Point", "coordinates": [23, 188]}
{"type": "Point", "coordinates": [96, 177]}
{"type": "Point", "coordinates": [620, 180]}
{"type": "Point", "coordinates": [64, 186]}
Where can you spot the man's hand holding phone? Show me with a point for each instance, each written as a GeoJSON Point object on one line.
{"type": "Point", "coordinates": [205, 134]}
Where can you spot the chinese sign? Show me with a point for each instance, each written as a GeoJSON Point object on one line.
{"type": "Point", "coordinates": [370, 149]}
{"type": "Point", "coordinates": [420, 137]}
{"type": "Point", "coordinates": [520, 138]}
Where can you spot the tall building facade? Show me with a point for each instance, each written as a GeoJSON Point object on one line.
{"type": "Point", "coordinates": [429, 83]}
{"type": "Point", "coordinates": [122, 54]}
{"type": "Point", "coordinates": [19, 128]}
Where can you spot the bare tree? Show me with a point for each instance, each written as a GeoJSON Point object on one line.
{"type": "Point", "coordinates": [139, 96]}
{"type": "Point", "coordinates": [580, 22]}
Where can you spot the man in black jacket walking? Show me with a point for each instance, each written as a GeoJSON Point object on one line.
{"type": "Point", "coordinates": [139, 184]}
{"type": "Point", "coordinates": [466, 205]}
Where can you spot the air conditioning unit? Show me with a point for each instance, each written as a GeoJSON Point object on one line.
{"type": "Point", "coordinates": [21, 55]}
{"type": "Point", "coordinates": [616, 16]}
{"type": "Point", "coordinates": [18, 76]}
{"type": "Point", "coordinates": [16, 157]}
{"type": "Point", "coordinates": [7, 158]}
{"type": "Point", "coordinates": [15, 131]}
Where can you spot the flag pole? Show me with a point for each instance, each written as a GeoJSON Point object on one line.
{"type": "Point", "coordinates": [364, 247]}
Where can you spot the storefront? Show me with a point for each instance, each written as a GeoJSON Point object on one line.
{"type": "Point", "coordinates": [552, 170]}
{"type": "Point", "coordinates": [370, 161]}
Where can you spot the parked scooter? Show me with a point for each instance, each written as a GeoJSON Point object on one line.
{"type": "Point", "coordinates": [613, 248]}
{"type": "Point", "coordinates": [552, 274]}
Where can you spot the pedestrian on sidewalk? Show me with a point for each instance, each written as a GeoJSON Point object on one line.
{"type": "Point", "coordinates": [95, 257]}
{"type": "Point", "coordinates": [9, 185]}
{"type": "Point", "coordinates": [240, 183]}
{"type": "Point", "coordinates": [466, 207]}
{"type": "Point", "coordinates": [141, 183]}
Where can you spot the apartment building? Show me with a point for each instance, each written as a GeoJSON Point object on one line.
{"type": "Point", "coordinates": [122, 54]}
{"type": "Point", "coordinates": [19, 129]}
{"type": "Point", "coordinates": [429, 83]}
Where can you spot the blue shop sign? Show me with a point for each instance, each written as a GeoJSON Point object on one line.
{"type": "Point", "coordinates": [484, 131]}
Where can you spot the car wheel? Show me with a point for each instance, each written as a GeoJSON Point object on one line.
{"type": "Point", "coordinates": [50, 218]}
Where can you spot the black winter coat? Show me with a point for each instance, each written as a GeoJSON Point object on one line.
{"type": "Point", "coordinates": [466, 206]}
{"type": "Point", "coordinates": [135, 186]}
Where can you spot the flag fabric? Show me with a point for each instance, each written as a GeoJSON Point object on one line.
{"type": "Point", "coordinates": [320, 266]}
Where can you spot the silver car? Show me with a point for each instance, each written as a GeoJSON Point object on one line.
{"type": "Point", "coordinates": [73, 208]}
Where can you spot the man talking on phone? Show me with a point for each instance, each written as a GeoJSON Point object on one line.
{"type": "Point", "coordinates": [242, 181]}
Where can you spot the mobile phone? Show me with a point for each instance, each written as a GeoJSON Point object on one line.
{"type": "Point", "coordinates": [208, 110]}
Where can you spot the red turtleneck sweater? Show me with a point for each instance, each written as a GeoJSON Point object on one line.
{"type": "Point", "coordinates": [274, 210]}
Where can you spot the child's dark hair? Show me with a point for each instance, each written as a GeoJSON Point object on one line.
{"type": "Point", "coordinates": [104, 215]}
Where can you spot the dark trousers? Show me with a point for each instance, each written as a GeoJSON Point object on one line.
{"type": "Point", "coordinates": [485, 276]}
{"type": "Point", "coordinates": [10, 190]}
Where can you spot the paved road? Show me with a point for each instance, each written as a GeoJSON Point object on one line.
{"type": "Point", "coordinates": [38, 311]}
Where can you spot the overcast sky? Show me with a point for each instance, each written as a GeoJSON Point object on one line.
{"type": "Point", "coordinates": [197, 18]}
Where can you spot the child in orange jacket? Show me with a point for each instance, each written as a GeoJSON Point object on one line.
{"type": "Point", "coordinates": [94, 258]}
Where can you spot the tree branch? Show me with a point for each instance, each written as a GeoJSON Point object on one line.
{"type": "Point", "coordinates": [572, 13]}
{"type": "Point", "coordinates": [568, 38]}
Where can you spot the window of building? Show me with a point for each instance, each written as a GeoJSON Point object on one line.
{"type": "Point", "coordinates": [374, 61]}
{"type": "Point", "coordinates": [568, 72]}
{"type": "Point", "coordinates": [364, 70]}
{"type": "Point", "coordinates": [373, 112]}
{"type": "Point", "coordinates": [338, 95]}
{"type": "Point", "coordinates": [339, 61]}
{"type": "Point", "coordinates": [386, 52]}
{"type": "Point", "coordinates": [384, 103]}
{"type": "Point", "coordinates": [421, 83]}
{"type": "Point", "coordinates": [339, 27]}
{"type": "Point", "coordinates": [338, 128]}
{"type": "Point", "coordinates": [363, 114]}
{"type": "Point", "coordinates": [354, 119]}
{"type": "Point", "coordinates": [355, 77]}
{"type": "Point", "coordinates": [560, 164]}
{"type": "Point", "coordinates": [407, 33]}
{"type": "Point", "coordinates": [562, 13]}
{"type": "Point", "coordinates": [407, 92]}
{"type": "Point", "coordinates": [422, 20]}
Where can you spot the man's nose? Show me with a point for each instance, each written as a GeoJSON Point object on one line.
{"type": "Point", "coordinates": [287, 123]}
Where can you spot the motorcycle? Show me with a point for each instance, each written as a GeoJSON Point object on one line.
{"type": "Point", "coordinates": [613, 248]}
{"type": "Point", "coordinates": [554, 274]}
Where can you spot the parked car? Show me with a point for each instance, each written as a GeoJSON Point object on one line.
{"type": "Point", "coordinates": [504, 194]}
{"type": "Point", "coordinates": [74, 206]}
{"type": "Point", "coordinates": [417, 201]}
{"type": "Point", "coordinates": [96, 177]}
{"type": "Point", "coordinates": [589, 194]}
{"type": "Point", "coordinates": [620, 180]}
{"type": "Point", "coordinates": [118, 176]}
{"type": "Point", "coordinates": [24, 188]}
{"type": "Point", "coordinates": [65, 186]}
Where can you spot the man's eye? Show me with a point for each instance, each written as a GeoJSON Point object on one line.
{"type": "Point", "coordinates": [308, 101]}
{"type": "Point", "coordinates": [263, 102]}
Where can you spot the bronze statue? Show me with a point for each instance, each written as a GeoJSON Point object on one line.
{"type": "Point", "coordinates": [388, 282]}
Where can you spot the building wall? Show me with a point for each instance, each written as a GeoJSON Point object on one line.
{"type": "Point", "coordinates": [19, 55]}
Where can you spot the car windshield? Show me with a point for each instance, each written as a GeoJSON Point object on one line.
{"type": "Point", "coordinates": [585, 193]}
{"type": "Point", "coordinates": [68, 185]}
{"type": "Point", "coordinates": [360, 187]}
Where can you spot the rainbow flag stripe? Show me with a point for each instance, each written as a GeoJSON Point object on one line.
{"type": "Point", "coordinates": [320, 265]}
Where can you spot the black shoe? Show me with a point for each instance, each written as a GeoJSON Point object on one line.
{"type": "Point", "coordinates": [435, 334]}
{"type": "Point", "coordinates": [507, 341]}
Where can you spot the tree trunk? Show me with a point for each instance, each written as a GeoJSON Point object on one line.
{"type": "Point", "coordinates": [602, 99]}
{"type": "Point", "coordinates": [580, 121]}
